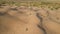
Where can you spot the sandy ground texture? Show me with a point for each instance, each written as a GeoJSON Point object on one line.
{"type": "Point", "coordinates": [29, 20]}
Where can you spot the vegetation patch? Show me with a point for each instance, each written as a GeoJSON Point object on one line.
{"type": "Point", "coordinates": [50, 5]}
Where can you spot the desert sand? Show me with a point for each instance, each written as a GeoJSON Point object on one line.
{"type": "Point", "coordinates": [25, 20]}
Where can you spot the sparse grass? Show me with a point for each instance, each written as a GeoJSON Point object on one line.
{"type": "Point", "coordinates": [50, 5]}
